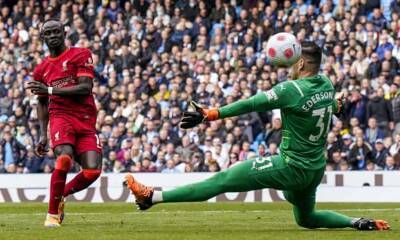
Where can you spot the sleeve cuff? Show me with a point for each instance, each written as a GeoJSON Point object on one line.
{"type": "Point", "coordinates": [85, 74]}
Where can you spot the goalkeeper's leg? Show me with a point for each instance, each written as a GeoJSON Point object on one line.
{"type": "Point", "coordinates": [306, 216]}
{"type": "Point", "coordinates": [271, 172]}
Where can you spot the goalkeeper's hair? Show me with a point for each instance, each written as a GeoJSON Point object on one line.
{"type": "Point", "coordinates": [312, 53]}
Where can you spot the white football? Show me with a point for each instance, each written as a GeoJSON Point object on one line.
{"type": "Point", "coordinates": [283, 49]}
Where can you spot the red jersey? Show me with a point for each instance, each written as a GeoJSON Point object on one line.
{"type": "Point", "coordinates": [63, 71]}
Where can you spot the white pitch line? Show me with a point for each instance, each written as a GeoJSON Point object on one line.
{"type": "Point", "coordinates": [200, 212]}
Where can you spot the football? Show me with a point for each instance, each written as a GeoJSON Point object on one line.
{"type": "Point", "coordinates": [283, 49]}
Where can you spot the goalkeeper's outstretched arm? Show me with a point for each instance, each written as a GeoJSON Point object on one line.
{"type": "Point", "coordinates": [258, 103]}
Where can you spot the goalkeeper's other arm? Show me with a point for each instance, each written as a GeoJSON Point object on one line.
{"type": "Point", "coordinates": [338, 105]}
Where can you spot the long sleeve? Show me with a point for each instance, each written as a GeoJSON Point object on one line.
{"type": "Point", "coordinates": [281, 96]}
{"type": "Point", "coordinates": [255, 103]}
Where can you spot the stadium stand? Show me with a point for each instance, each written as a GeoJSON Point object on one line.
{"type": "Point", "coordinates": [152, 57]}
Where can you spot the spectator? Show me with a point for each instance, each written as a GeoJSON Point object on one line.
{"type": "Point", "coordinates": [337, 159]}
{"type": "Point", "coordinates": [13, 152]}
{"type": "Point", "coordinates": [48, 162]}
{"type": "Point", "coordinates": [185, 150]}
{"type": "Point", "coordinates": [170, 167]}
{"type": "Point", "coordinates": [381, 109]}
{"type": "Point", "coordinates": [151, 59]}
{"type": "Point", "coordinates": [384, 45]}
{"type": "Point", "coordinates": [380, 153]}
{"type": "Point", "coordinates": [274, 134]}
{"type": "Point", "coordinates": [360, 154]}
{"type": "Point", "coordinates": [118, 167]}
{"type": "Point", "coordinates": [32, 163]}
{"type": "Point", "coordinates": [374, 67]}
{"type": "Point", "coordinates": [357, 106]}
{"type": "Point", "coordinates": [360, 65]}
{"type": "Point", "coordinates": [272, 149]}
{"type": "Point", "coordinates": [243, 155]}
{"type": "Point", "coordinates": [394, 150]}
{"type": "Point", "coordinates": [343, 166]}
{"type": "Point", "coordinates": [332, 146]}
{"type": "Point", "coordinates": [390, 164]}
{"type": "Point", "coordinates": [395, 101]}
{"type": "Point", "coordinates": [372, 133]}
{"type": "Point", "coordinates": [233, 159]}
{"type": "Point", "coordinates": [347, 143]}
{"type": "Point", "coordinates": [214, 167]}
{"type": "Point", "coordinates": [147, 165]}
{"type": "Point", "coordinates": [370, 166]}
{"type": "Point", "coordinates": [261, 151]}
{"type": "Point", "coordinates": [23, 137]}
{"type": "Point", "coordinates": [220, 156]}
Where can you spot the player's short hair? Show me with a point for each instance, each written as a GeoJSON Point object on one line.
{"type": "Point", "coordinates": [49, 20]}
{"type": "Point", "coordinates": [311, 52]}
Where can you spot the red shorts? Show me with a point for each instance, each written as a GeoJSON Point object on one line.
{"type": "Point", "coordinates": [80, 133]}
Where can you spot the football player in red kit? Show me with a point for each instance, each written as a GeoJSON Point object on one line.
{"type": "Point", "coordinates": [63, 82]}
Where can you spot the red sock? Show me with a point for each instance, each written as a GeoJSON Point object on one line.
{"type": "Point", "coordinates": [57, 182]}
{"type": "Point", "coordinates": [81, 181]}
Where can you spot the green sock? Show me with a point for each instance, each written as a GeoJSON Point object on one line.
{"type": "Point", "coordinates": [235, 179]}
{"type": "Point", "coordinates": [321, 219]}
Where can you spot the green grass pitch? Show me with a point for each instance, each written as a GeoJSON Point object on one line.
{"type": "Point", "coordinates": [209, 221]}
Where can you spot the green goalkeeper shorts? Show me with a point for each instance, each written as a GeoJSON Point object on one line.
{"type": "Point", "coordinates": [275, 172]}
{"type": "Point", "coordinates": [299, 185]}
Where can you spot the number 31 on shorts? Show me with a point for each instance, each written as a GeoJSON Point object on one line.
{"type": "Point", "coordinates": [261, 163]}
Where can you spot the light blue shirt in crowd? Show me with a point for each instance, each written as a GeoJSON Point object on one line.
{"type": "Point", "coordinates": [9, 158]}
{"type": "Point", "coordinates": [169, 170]}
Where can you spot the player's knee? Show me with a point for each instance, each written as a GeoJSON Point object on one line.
{"type": "Point", "coordinates": [91, 174]}
{"type": "Point", "coordinates": [93, 165]}
{"type": "Point", "coordinates": [64, 150]}
{"type": "Point", "coordinates": [91, 160]}
{"type": "Point", "coordinates": [288, 196]}
{"type": "Point", "coordinates": [305, 220]}
{"type": "Point", "coordinates": [63, 162]}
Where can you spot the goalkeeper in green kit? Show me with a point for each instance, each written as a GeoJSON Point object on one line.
{"type": "Point", "coordinates": [307, 103]}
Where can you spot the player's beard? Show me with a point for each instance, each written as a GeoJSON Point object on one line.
{"type": "Point", "coordinates": [292, 73]}
{"type": "Point", "coordinates": [54, 43]}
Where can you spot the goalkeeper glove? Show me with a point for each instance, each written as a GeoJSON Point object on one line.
{"type": "Point", "coordinates": [192, 119]}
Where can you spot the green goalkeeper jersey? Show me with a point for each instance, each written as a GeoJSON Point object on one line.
{"type": "Point", "coordinates": [307, 106]}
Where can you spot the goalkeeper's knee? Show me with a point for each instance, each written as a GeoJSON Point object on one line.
{"type": "Point", "coordinates": [305, 220]}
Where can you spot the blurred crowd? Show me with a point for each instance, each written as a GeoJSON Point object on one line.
{"type": "Point", "coordinates": [152, 57]}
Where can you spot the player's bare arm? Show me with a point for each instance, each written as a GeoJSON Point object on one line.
{"type": "Point", "coordinates": [84, 87]}
{"type": "Point", "coordinates": [55, 105]}
{"type": "Point", "coordinates": [43, 116]}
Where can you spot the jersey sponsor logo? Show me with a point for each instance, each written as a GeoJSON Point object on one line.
{"type": "Point", "coordinates": [316, 98]}
{"type": "Point", "coordinates": [271, 95]}
{"type": "Point", "coordinates": [64, 65]}
{"type": "Point", "coordinates": [59, 83]}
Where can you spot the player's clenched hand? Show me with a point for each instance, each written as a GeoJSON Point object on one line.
{"type": "Point", "coordinates": [40, 149]}
{"type": "Point", "coordinates": [340, 101]}
{"type": "Point", "coordinates": [37, 87]}
{"type": "Point", "coordinates": [192, 119]}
